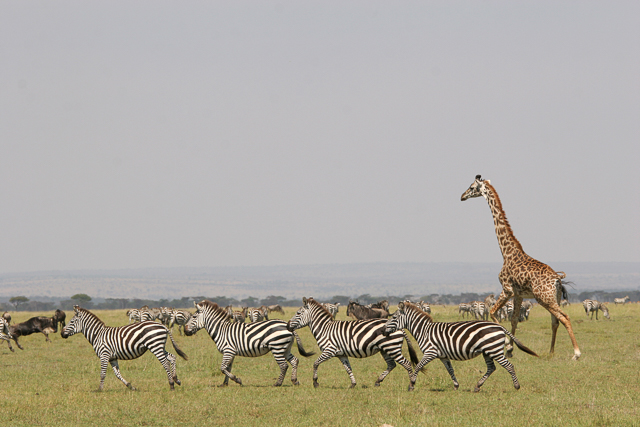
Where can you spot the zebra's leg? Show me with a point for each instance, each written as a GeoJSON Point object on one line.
{"type": "Point", "coordinates": [172, 360]}
{"type": "Point", "coordinates": [227, 362]}
{"type": "Point", "coordinates": [447, 364]}
{"type": "Point", "coordinates": [116, 370]}
{"type": "Point", "coordinates": [294, 368]}
{"type": "Point", "coordinates": [326, 354]}
{"type": "Point", "coordinates": [347, 367]}
{"type": "Point", "coordinates": [166, 359]}
{"type": "Point", "coordinates": [427, 357]}
{"type": "Point", "coordinates": [491, 367]}
{"type": "Point", "coordinates": [104, 361]}
{"type": "Point", "coordinates": [8, 340]}
{"type": "Point", "coordinates": [226, 378]}
{"type": "Point", "coordinates": [391, 364]}
{"type": "Point", "coordinates": [281, 360]}
{"type": "Point", "coordinates": [509, 367]}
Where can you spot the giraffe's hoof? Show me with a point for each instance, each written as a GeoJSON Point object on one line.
{"type": "Point", "coordinates": [576, 356]}
{"type": "Point", "coordinates": [410, 388]}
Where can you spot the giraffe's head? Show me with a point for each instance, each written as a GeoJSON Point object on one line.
{"type": "Point", "coordinates": [476, 189]}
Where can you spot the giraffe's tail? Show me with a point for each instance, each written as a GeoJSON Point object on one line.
{"type": "Point", "coordinates": [561, 275]}
{"type": "Point", "coordinates": [520, 345]}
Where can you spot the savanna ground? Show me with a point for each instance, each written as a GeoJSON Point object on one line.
{"type": "Point", "coordinates": [55, 383]}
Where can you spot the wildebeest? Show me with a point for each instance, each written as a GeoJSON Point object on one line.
{"type": "Point", "coordinates": [361, 312]}
{"type": "Point", "coordinates": [45, 325]}
{"type": "Point", "coordinates": [60, 317]}
{"type": "Point", "coordinates": [275, 308]}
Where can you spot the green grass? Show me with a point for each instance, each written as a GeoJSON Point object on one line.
{"type": "Point", "coordinates": [55, 383]}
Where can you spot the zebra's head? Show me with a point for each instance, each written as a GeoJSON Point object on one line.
{"type": "Point", "coordinates": [397, 321]}
{"type": "Point", "coordinates": [302, 317]}
{"type": "Point", "coordinates": [196, 322]}
{"type": "Point", "coordinates": [75, 325]}
{"type": "Point", "coordinates": [478, 188]}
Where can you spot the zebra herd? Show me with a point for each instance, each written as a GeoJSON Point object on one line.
{"type": "Point", "coordinates": [343, 339]}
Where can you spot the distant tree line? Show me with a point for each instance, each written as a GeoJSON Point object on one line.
{"type": "Point", "coordinates": [22, 303]}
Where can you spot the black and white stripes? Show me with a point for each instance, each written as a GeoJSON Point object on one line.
{"type": "Point", "coordinates": [344, 339]}
{"type": "Point", "coordinates": [454, 341]}
{"type": "Point", "coordinates": [246, 339]}
{"type": "Point", "coordinates": [592, 306]}
{"type": "Point", "coordinates": [124, 343]}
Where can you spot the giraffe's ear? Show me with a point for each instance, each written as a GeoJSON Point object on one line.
{"type": "Point", "coordinates": [488, 181]}
{"type": "Point", "coordinates": [478, 178]}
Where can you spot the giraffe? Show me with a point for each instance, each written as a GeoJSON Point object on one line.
{"type": "Point", "coordinates": [522, 276]}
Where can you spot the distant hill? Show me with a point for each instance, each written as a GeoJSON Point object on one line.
{"type": "Point", "coordinates": [295, 281]}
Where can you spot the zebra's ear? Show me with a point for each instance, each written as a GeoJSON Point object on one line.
{"type": "Point", "coordinates": [304, 300]}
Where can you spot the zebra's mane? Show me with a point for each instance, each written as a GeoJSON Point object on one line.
{"type": "Point", "coordinates": [418, 311]}
{"type": "Point", "coordinates": [317, 304]}
{"type": "Point", "coordinates": [87, 313]}
{"type": "Point", "coordinates": [211, 305]}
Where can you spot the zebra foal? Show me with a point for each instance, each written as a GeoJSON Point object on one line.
{"type": "Point", "coordinates": [246, 339]}
{"type": "Point", "coordinates": [456, 340]}
{"type": "Point", "coordinates": [344, 339]}
{"type": "Point", "coordinates": [124, 343]}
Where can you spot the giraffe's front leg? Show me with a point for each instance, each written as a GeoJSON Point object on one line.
{"type": "Point", "coordinates": [504, 296]}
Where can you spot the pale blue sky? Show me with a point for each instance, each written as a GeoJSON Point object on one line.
{"type": "Point", "coordinates": [164, 134]}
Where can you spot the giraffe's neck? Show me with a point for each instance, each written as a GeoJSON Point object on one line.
{"type": "Point", "coordinates": [509, 245]}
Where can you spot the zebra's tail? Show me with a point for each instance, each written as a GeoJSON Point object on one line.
{"type": "Point", "coordinates": [412, 352]}
{"type": "Point", "coordinates": [300, 347]}
{"type": "Point", "coordinates": [520, 345]}
{"type": "Point", "coordinates": [175, 346]}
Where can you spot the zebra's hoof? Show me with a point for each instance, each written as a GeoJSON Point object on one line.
{"type": "Point", "coordinates": [223, 385]}
{"type": "Point", "coordinates": [476, 390]}
{"type": "Point", "coordinates": [131, 387]}
{"type": "Point", "coordinates": [353, 385]}
{"type": "Point", "coordinates": [315, 384]}
{"type": "Point", "coordinates": [177, 381]}
{"type": "Point", "coordinates": [377, 384]}
{"type": "Point", "coordinates": [296, 382]}
{"type": "Point", "coordinates": [410, 388]}
{"type": "Point", "coordinates": [12, 350]}
{"type": "Point", "coordinates": [455, 386]}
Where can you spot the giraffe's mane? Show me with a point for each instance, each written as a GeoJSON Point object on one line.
{"type": "Point", "coordinates": [419, 312]}
{"type": "Point", "coordinates": [504, 215]}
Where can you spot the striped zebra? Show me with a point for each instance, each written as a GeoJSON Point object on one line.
{"type": "Point", "coordinates": [5, 334]}
{"type": "Point", "coordinates": [564, 303]}
{"type": "Point", "coordinates": [180, 318]}
{"type": "Point", "coordinates": [133, 315]}
{"type": "Point", "coordinates": [247, 340]}
{"type": "Point", "coordinates": [124, 343]}
{"type": "Point", "coordinates": [424, 306]}
{"type": "Point", "coordinates": [464, 308]}
{"type": "Point", "coordinates": [165, 315]}
{"type": "Point", "coordinates": [332, 308]}
{"type": "Point", "coordinates": [479, 310]}
{"type": "Point", "coordinates": [239, 316]}
{"type": "Point", "coordinates": [456, 340]}
{"type": "Point", "coordinates": [258, 314]}
{"type": "Point", "coordinates": [623, 301]}
{"type": "Point", "coordinates": [592, 306]}
{"type": "Point", "coordinates": [344, 339]}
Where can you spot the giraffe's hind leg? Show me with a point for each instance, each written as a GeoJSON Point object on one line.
{"type": "Point", "coordinates": [561, 316]}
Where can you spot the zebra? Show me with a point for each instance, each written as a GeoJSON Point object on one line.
{"type": "Point", "coordinates": [6, 316]}
{"type": "Point", "coordinates": [617, 301]}
{"type": "Point", "coordinates": [455, 340]}
{"type": "Point", "coordinates": [564, 303]}
{"type": "Point", "coordinates": [246, 339]}
{"type": "Point", "coordinates": [525, 310]}
{"type": "Point", "coordinates": [124, 343]}
{"type": "Point", "coordinates": [332, 308]}
{"type": "Point", "coordinates": [591, 306]}
{"type": "Point", "coordinates": [478, 310]}
{"type": "Point", "coordinates": [344, 339]}
{"type": "Point", "coordinates": [180, 318]}
{"type": "Point", "coordinates": [464, 308]}
{"type": "Point", "coordinates": [5, 333]}
{"type": "Point", "coordinates": [133, 315]}
{"type": "Point", "coordinates": [165, 315]}
{"type": "Point", "coordinates": [258, 314]}
{"type": "Point", "coordinates": [239, 316]}
{"type": "Point", "coordinates": [424, 306]}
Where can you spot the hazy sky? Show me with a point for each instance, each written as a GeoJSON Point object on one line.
{"type": "Point", "coordinates": [164, 134]}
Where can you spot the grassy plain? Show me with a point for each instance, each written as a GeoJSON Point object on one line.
{"type": "Point", "coordinates": [55, 383]}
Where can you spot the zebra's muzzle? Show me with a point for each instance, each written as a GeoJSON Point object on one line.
{"type": "Point", "coordinates": [63, 334]}
{"type": "Point", "coordinates": [289, 328]}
